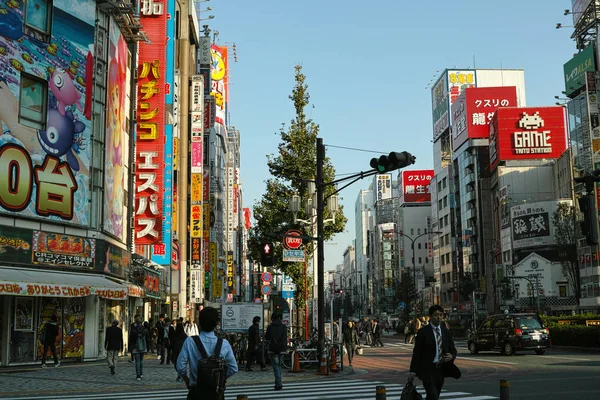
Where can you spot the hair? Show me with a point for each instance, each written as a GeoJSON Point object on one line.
{"type": "Point", "coordinates": [276, 317]}
{"type": "Point", "coordinates": [115, 322]}
{"type": "Point", "coordinates": [434, 308]}
{"type": "Point", "coordinates": [255, 319]}
{"type": "Point", "coordinates": [208, 319]}
{"type": "Point", "coordinates": [138, 319]}
{"type": "Point", "coordinates": [179, 329]}
{"type": "Point", "coordinates": [167, 320]}
{"type": "Point", "coordinates": [54, 318]}
{"type": "Point", "coordinates": [180, 319]}
{"type": "Point", "coordinates": [161, 316]}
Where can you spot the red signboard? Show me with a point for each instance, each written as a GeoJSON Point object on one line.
{"type": "Point", "coordinates": [150, 133]}
{"type": "Point", "coordinates": [292, 240]}
{"type": "Point", "coordinates": [527, 133]}
{"type": "Point", "coordinates": [474, 109]}
{"type": "Point", "coordinates": [415, 186]}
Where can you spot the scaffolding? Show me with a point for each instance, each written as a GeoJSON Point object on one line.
{"type": "Point", "coordinates": [127, 17]}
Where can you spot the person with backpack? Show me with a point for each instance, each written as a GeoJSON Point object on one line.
{"type": "Point", "coordinates": [138, 343]}
{"type": "Point", "coordinates": [205, 362]}
{"type": "Point", "coordinates": [48, 338]}
{"type": "Point", "coordinates": [276, 336]}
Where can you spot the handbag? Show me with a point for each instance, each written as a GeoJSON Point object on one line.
{"type": "Point", "coordinates": [410, 391]}
{"type": "Point", "coordinates": [359, 350]}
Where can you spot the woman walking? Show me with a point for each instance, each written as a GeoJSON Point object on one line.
{"type": "Point", "coordinates": [138, 343]}
{"type": "Point", "coordinates": [350, 340]}
{"type": "Point", "coordinates": [178, 338]}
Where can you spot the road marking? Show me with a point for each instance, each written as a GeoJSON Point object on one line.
{"type": "Point", "coordinates": [569, 358]}
{"type": "Point", "coordinates": [485, 359]}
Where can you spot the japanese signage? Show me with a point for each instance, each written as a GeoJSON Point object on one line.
{"type": "Point", "coordinates": [475, 108]}
{"type": "Point", "coordinates": [149, 149]}
{"type": "Point", "coordinates": [576, 68]}
{"type": "Point", "coordinates": [384, 186]}
{"type": "Point", "coordinates": [439, 106]}
{"type": "Point", "coordinates": [230, 221]}
{"type": "Point", "coordinates": [196, 221]}
{"type": "Point", "coordinates": [196, 106]}
{"type": "Point", "coordinates": [196, 189]}
{"type": "Point", "coordinates": [135, 291]}
{"type": "Point", "coordinates": [230, 271]}
{"type": "Point", "coordinates": [414, 186]}
{"type": "Point", "coordinates": [204, 55]}
{"type": "Point", "coordinates": [217, 284]}
{"type": "Point", "coordinates": [527, 133]}
{"type": "Point", "coordinates": [197, 153]}
{"type": "Point", "coordinates": [111, 259]}
{"type": "Point", "coordinates": [152, 283]}
{"type": "Point", "coordinates": [531, 224]}
{"type": "Point", "coordinates": [196, 276]}
{"type": "Point", "coordinates": [152, 7]}
{"type": "Point", "coordinates": [218, 74]}
{"type": "Point", "coordinates": [59, 290]}
{"type": "Point", "coordinates": [60, 250]}
{"type": "Point", "coordinates": [196, 254]}
{"type": "Point", "coordinates": [238, 317]}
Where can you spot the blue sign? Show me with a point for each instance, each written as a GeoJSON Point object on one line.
{"type": "Point", "coordinates": [402, 305]}
{"type": "Point", "coordinates": [293, 255]}
{"type": "Point", "coordinates": [286, 294]}
{"type": "Point", "coordinates": [266, 290]}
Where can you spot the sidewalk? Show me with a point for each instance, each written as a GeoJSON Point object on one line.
{"type": "Point", "coordinates": [95, 377]}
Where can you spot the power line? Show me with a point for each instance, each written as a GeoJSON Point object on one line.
{"type": "Point", "coordinates": [355, 149]}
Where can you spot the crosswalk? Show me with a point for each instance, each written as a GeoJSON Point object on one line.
{"type": "Point", "coordinates": [350, 389]}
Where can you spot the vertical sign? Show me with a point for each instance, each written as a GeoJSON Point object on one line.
{"type": "Point", "coordinates": [150, 140]}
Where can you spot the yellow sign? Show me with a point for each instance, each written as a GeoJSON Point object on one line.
{"type": "Point", "coordinates": [196, 221]}
{"type": "Point", "coordinates": [175, 154]}
{"type": "Point", "coordinates": [206, 222]}
{"type": "Point", "coordinates": [196, 188]}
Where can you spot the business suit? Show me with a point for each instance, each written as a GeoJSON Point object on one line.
{"type": "Point", "coordinates": [422, 363]}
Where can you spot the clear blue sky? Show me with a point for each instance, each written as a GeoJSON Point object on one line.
{"type": "Point", "coordinates": [367, 66]}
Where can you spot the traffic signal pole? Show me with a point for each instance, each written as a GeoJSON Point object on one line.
{"type": "Point", "coordinates": [320, 244]}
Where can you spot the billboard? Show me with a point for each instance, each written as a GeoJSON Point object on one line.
{"type": "Point", "coordinates": [218, 74]}
{"type": "Point", "coordinates": [414, 186]}
{"type": "Point", "coordinates": [527, 133]}
{"type": "Point", "coordinates": [150, 139]}
{"type": "Point", "coordinates": [578, 7]}
{"type": "Point", "coordinates": [46, 109]}
{"type": "Point", "coordinates": [474, 109]}
{"type": "Point", "coordinates": [383, 182]}
{"type": "Point", "coordinates": [576, 68]}
{"type": "Point", "coordinates": [439, 106]}
{"type": "Point", "coordinates": [459, 81]}
{"type": "Point", "coordinates": [531, 224]}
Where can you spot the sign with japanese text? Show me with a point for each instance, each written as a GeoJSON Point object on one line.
{"type": "Point", "coordinates": [527, 133]}
{"type": "Point", "coordinates": [197, 151]}
{"type": "Point", "coordinates": [197, 109]}
{"type": "Point", "coordinates": [196, 253]}
{"type": "Point", "coordinates": [576, 67]}
{"type": "Point", "coordinates": [531, 223]}
{"type": "Point", "coordinates": [196, 189]}
{"type": "Point", "coordinates": [152, 283]}
{"type": "Point", "coordinates": [196, 276]}
{"type": "Point", "coordinates": [204, 55]}
{"type": "Point", "coordinates": [135, 291]}
{"type": "Point", "coordinates": [237, 317]}
{"type": "Point", "coordinates": [475, 108]}
{"type": "Point", "coordinates": [230, 271]}
{"type": "Point", "coordinates": [415, 185]}
{"type": "Point", "coordinates": [218, 75]}
{"type": "Point", "coordinates": [59, 290]}
{"type": "Point", "coordinates": [439, 106]}
{"type": "Point", "coordinates": [49, 248]}
{"type": "Point", "coordinates": [150, 140]}
{"type": "Point", "coordinates": [384, 186]}
{"type": "Point", "coordinates": [196, 221]}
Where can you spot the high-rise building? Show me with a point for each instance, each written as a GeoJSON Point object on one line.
{"type": "Point", "coordinates": [363, 209]}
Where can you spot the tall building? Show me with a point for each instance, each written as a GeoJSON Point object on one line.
{"type": "Point", "coordinates": [363, 209]}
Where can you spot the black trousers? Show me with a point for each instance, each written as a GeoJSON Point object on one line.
{"type": "Point", "coordinates": [52, 347]}
{"type": "Point", "coordinates": [197, 393]}
{"type": "Point", "coordinates": [251, 355]}
{"type": "Point", "coordinates": [377, 341]}
{"type": "Point", "coordinates": [433, 387]}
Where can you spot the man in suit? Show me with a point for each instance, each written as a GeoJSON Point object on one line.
{"type": "Point", "coordinates": [434, 354]}
{"type": "Point", "coordinates": [113, 343]}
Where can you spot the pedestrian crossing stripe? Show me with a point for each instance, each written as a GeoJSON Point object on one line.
{"type": "Point", "coordinates": [299, 390]}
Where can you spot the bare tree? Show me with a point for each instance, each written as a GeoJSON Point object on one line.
{"type": "Point", "coordinates": [565, 233]}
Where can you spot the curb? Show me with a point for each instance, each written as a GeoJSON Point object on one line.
{"type": "Point", "coordinates": [576, 348]}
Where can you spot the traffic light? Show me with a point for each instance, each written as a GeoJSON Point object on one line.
{"type": "Point", "coordinates": [266, 255]}
{"type": "Point", "coordinates": [589, 225]}
{"type": "Point", "coordinates": [392, 161]}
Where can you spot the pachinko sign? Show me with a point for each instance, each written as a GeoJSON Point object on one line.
{"type": "Point", "coordinates": [149, 152]}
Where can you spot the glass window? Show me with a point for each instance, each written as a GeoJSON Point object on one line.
{"type": "Point", "coordinates": [441, 222]}
{"type": "Point", "coordinates": [418, 231]}
{"type": "Point", "coordinates": [446, 220]}
{"type": "Point", "coordinates": [412, 232]}
{"type": "Point", "coordinates": [445, 201]}
{"type": "Point", "coordinates": [444, 183]}
{"type": "Point", "coordinates": [562, 291]}
{"type": "Point", "coordinates": [440, 204]}
{"type": "Point", "coordinates": [528, 322]}
{"type": "Point", "coordinates": [419, 246]}
{"type": "Point", "coordinates": [32, 102]}
{"type": "Point", "coordinates": [38, 15]}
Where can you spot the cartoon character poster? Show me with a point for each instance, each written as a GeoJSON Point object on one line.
{"type": "Point", "coordinates": [114, 178]}
{"type": "Point", "coordinates": [71, 318]}
{"type": "Point", "coordinates": [44, 165]}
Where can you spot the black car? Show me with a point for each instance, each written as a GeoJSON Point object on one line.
{"type": "Point", "coordinates": [510, 333]}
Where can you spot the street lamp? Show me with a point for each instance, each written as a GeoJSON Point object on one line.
{"type": "Point", "coordinates": [412, 249]}
{"type": "Point", "coordinates": [209, 17]}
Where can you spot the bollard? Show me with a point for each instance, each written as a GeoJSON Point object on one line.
{"type": "Point", "coordinates": [504, 389]}
{"type": "Point", "coordinates": [242, 397]}
{"type": "Point", "coordinates": [380, 393]}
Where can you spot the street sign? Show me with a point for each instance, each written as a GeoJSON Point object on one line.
{"type": "Point", "coordinates": [237, 317]}
{"type": "Point", "coordinates": [266, 277]}
{"type": "Point", "coordinates": [287, 294]}
{"type": "Point", "coordinates": [257, 300]}
{"type": "Point", "coordinates": [293, 255]}
{"type": "Point", "coordinates": [292, 240]}
{"type": "Point", "coordinates": [402, 305]}
{"type": "Point", "coordinates": [266, 290]}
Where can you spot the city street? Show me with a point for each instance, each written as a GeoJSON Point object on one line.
{"type": "Point", "coordinates": [558, 374]}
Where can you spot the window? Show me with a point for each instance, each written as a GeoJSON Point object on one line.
{"type": "Point", "coordinates": [440, 204]}
{"type": "Point", "coordinates": [426, 260]}
{"type": "Point", "coordinates": [420, 260]}
{"type": "Point", "coordinates": [38, 19]}
{"type": "Point", "coordinates": [562, 291]}
{"type": "Point", "coordinates": [418, 231]}
{"type": "Point", "coordinates": [419, 246]}
{"type": "Point", "coordinates": [441, 222]}
{"type": "Point", "coordinates": [445, 201]}
{"type": "Point", "coordinates": [444, 183]}
{"type": "Point", "coordinates": [439, 185]}
{"type": "Point", "coordinates": [446, 220]}
{"type": "Point", "coordinates": [412, 232]}
{"type": "Point", "coordinates": [32, 102]}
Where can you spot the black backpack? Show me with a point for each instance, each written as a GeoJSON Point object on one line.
{"type": "Point", "coordinates": [212, 371]}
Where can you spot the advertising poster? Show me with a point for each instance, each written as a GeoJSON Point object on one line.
{"type": "Point", "coordinates": [384, 186]}
{"type": "Point", "coordinates": [111, 259]}
{"type": "Point", "coordinates": [71, 316]}
{"type": "Point", "coordinates": [116, 116]}
{"type": "Point", "coordinates": [439, 106]}
{"type": "Point", "coordinates": [60, 250]}
{"type": "Point", "coordinates": [576, 68]}
{"type": "Point", "coordinates": [532, 224]}
{"type": "Point", "coordinates": [218, 73]}
{"type": "Point", "coordinates": [46, 127]}
{"type": "Point", "coordinates": [152, 283]}
{"type": "Point", "coordinates": [415, 186]}
{"type": "Point", "coordinates": [15, 245]}
{"type": "Point", "coordinates": [459, 81]}
{"type": "Point", "coordinates": [23, 314]}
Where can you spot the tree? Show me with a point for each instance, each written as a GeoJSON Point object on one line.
{"type": "Point", "coordinates": [468, 284]}
{"type": "Point", "coordinates": [291, 169]}
{"type": "Point", "coordinates": [406, 291]}
{"type": "Point", "coordinates": [565, 233]}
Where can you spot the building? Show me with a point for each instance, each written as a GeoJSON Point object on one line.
{"type": "Point", "coordinates": [363, 209]}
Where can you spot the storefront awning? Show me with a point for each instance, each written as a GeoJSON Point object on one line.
{"type": "Point", "coordinates": [36, 282]}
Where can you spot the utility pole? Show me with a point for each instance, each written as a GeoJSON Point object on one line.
{"type": "Point", "coordinates": [320, 243]}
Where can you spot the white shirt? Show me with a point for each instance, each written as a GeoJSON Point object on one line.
{"type": "Point", "coordinates": [191, 329]}
{"type": "Point", "coordinates": [437, 349]}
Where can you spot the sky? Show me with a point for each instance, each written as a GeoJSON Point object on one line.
{"type": "Point", "coordinates": [369, 69]}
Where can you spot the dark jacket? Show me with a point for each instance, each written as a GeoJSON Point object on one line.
{"type": "Point", "coordinates": [51, 332]}
{"type": "Point", "coordinates": [253, 336]}
{"type": "Point", "coordinates": [159, 331]}
{"type": "Point", "coordinates": [172, 334]}
{"type": "Point", "coordinates": [424, 354]}
{"type": "Point", "coordinates": [376, 329]}
{"type": "Point", "coordinates": [350, 336]}
{"type": "Point", "coordinates": [277, 337]}
{"type": "Point", "coordinates": [177, 340]}
{"type": "Point", "coordinates": [136, 332]}
{"type": "Point", "coordinates": [113, 340]}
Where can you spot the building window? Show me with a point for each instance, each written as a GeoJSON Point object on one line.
{"type": "Point", "coordinates": [38, 19]}
{"type": "Point", "coordinates": [439, 185]}
{"type": "Point", "coordinates": [562, 291]}
{"type": "Point", "coordinates": [420, 260]}
{"type": "Point", "coordinates": [441, 222]}
{"type": "Point", "coordinates": [32, 101]}
{"type": "Point", "coordinates": [412, 232]}
{"type": "Point", "coordinates": [418, 231]}
{"type": "Point", "coordinates": [444, 183]}
{"type": "Point", "coordinates": [440, 204]}
{"type": "Point", "coordinates": [446, 220]}
{"type": "Point", "coordinates": [419, 246]}
{"type": "Point", "coordinates": [445, 201]}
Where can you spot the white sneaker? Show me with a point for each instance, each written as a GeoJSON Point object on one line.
{"type": "Point", "coordinates": [44, 366]}
{"type": "Point", "coordinates": [57, 365]}
{"type": "Point", "coordinates": [158, 358]}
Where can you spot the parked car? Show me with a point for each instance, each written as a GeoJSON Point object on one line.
{"type": "Point", "coordinates": [510, 333]}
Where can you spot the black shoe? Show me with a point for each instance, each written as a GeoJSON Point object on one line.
{"type": "Point", "coordinates": [249, 369]}
{"type": "Point", "coordinates": [278, 387]}
{"type": "Point", "coordinates": [162, 362]}
{"type": "Point", "coordinates": [112, 370]}
{"type": "Point", "coordinates": [130, 360]}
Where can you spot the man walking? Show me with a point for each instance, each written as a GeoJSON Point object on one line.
{"type": "Point", "coordinates": [350, 340]}
{"type": "Point", "coordinates": [253, 339]}
{"type": "Point", "coordinates": [49, 335]}
{"type": "Point", "coordinates": [113, 343]}
{"type": "Point", "coordinates": [191, 353]}
{"type": "Point", "coordinates": [277, 337]}
{"type": "Point", "coordinates": [376, 334]}
{"type": "Point", "coordinates": [434, 354]}
{"type": "Point", "coordinates": [160, 329]}
{"type": "Point", "coordinates": [138, 343]}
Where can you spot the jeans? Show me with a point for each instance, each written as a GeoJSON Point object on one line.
{"type": "Point", "coordinates": [139, 364]}
{"type": "Point", "coordinates": [52, 349]}
{"type": "Point", "coordinates": [112, 356]}
{"type": "Point", "coordinates": [276, 363]}
{"type": "Point", "coordinates": [350, 350]}
{"type": "Point", "coordinates": [197, 393]}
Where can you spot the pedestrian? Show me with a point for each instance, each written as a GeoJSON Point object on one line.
{"type": "Point", "coordinates": [191, 353]}
{"type": "Point", "coordinates": [152, 341]}
{"type": "Point", "coordinates": [176, 344]}
{"type": "Point", "coordinates": [253, 340]}
{"type": "Point", "coordinates": [276, 336]}
{"type": "Point", "coordinates": [138, 343]}
{"type": "Point", "coordinates": [434, 354]}
{"type": "Point", "coordinates": [191, 329]}
{"type": "Point", "coordinates": [113, 343]}
{"type": "Point", "coordinates": [164, 338]}
{"type": "Point", "coordinates": [376, 334]}
{"type": "Point", "coordinates": [48, 337]}
{"type": "Point", "coordinates": [160, 329]}
{"type": "Point", "coordinates": [350, 340]}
